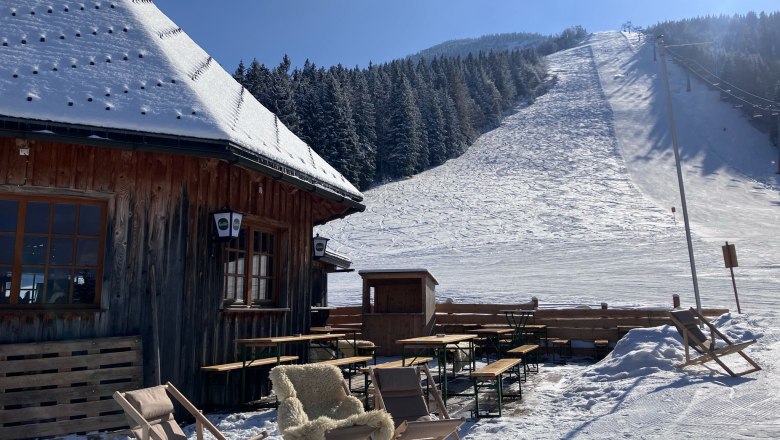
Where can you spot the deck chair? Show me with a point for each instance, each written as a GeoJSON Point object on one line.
{"type": "Point", "coordinates": [315, 404]}
{"type": "Point", "coordinates": [150, 413]}
{"type": "Point", "coordinates": [709, 349]}
{"type": "Point", "coordinates": [398, 391]}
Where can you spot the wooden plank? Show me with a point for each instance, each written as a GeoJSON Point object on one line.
{"type": "Point", "coordinates": [66, 378]}
{"type": "Point", "coordinates": [347, 360]}
{"type": "Point", "coordinates": [64, 427]}
{"type": "Point", "coordinates": [351, 310]}
{"type": "Point", "coordinates": [64, 395]}
{"type": "Point", "coordinates": [254, 363]}
{"type": "Point", "coordinates": [491, 309]}
{"type": "Point", "coordinates": [470, 319]}
{"type": "Point", "coordinates": [37, 413]}
{"type": "Point", "coordinates": [496, 368]}
{"type": "Point", "coordinates": [64, 363]}
{"type": "Point", "coordinates": [582, 334]}
{"type": "Point", "coordinates": [339, 321]}
{"type": "Point", "coordinates": [604, 322]}
{"type": "Point", "coordinates": [37, 348]}
{"type": "Point", "coordinates": [523, 349]}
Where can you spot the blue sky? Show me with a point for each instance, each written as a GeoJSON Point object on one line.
{"type": "Point", "coordinates": [354, 32]}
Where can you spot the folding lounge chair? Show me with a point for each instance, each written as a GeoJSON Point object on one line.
{"type": "Point", "coordinates": [398, 391]}
{"type": "Point", "coordinates": [150, 413]}
{"type": "Point", "coordinates": [315, 404]}
{"type": "Point", "coordinates": [708, 348]}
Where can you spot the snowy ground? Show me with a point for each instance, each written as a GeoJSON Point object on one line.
{"type": "Point", "coordinates": [569, 200]}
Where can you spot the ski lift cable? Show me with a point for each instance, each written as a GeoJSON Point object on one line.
{"type": "Point", "coordinates": [681, 58]}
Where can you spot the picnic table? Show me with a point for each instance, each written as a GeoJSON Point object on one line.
{"type": "Point", "coordinates": [272, 346]}
{"type": "Point", "coordinates": [492, 337]}
{"type": "Point", "coordinates": [440, 344]}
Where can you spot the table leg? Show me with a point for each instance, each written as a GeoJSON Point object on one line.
{"type": "Point", "coordinates": [441, 356]}
{"type": "Point", "coordinates": [243, 373]}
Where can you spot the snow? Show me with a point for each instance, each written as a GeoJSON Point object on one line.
{"type": "Point", "coordinates": [125, 65]}
{"type": "Point", "coordinates": [569, 200]}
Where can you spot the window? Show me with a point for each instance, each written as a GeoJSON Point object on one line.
{"type": "Point", "coordinates": [251, 267]}
{"type": "Point", "coordinates": [51, 251]}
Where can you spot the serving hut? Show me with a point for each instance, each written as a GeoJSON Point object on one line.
{"type": "Point", "coordinates": [403, 306]}
{"type": "Point", "coordinates": [112, 165]}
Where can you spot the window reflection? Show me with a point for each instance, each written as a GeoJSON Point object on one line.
{"type": "Point", "coordinates": [87, 252]}
{"type": "Point", "coordinates": [9, 210]}
{"type": "Point", "coordinates": [31, 291]}
{"type": "Point", "coordinates": [64, 221]}
{"type": "Point", "coordinates": [7, 248]}
{"type": "Point", "coordinates": [34, 251]}
{"type": "Point", "coordinates": [58, 286]}
{"type": "Point", "coordinates": [37, 217]}
{"type": "Point", "coordinates": [5, 285]}
{"type": "Point", "coordinates": [90, 219]}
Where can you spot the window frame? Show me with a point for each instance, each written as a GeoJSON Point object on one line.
{"type": "Point", "coordinates": [17, 263]}
{"type": "Point", "coordinates": [249, 227]}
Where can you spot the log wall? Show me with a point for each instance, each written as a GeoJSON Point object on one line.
{"type": "Point", "coordinates": [159, 242]}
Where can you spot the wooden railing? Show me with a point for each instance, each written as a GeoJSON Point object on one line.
{"type": "Point", "coordinates": [586, 324]}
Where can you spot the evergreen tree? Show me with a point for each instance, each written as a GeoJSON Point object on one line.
{"type": "Point", "coordinates": [340, 140]}
{"type": "Point", "coordinates": [240, 73]}
{"type": "Point", "coordinates": [401, 155]}
{"type": "Point", "coordinates": [282, 101]}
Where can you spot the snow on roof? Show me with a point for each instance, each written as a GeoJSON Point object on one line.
{"type": "Point", "coordinates": [123, 64]}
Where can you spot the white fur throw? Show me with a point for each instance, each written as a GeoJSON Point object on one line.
{"type": "Point", "coordinates": [313, 401]}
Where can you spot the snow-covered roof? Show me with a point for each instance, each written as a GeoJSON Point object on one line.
{"type": "Point", "coordinates": [124, 65]}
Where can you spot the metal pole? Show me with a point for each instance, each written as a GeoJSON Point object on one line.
{"type": "Point", "coordinates": [673, 130]}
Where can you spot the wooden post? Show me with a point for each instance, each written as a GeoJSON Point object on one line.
{"type": "Point", "coordinates": [675, 301]}
{"type": "Point", "coordinates": [730, 259]}
{"type": "Point", "coordinates": [535, 302]}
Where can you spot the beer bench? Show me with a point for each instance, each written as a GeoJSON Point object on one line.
{"type": "Point", "coordinates": [491, 377]}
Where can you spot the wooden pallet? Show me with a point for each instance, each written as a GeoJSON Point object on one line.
{"type": "Point", "coordinates": [65, 387]}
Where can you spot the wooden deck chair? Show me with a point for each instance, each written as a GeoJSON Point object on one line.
{"type": "Point", "coordinates": [150, 413]}
{"type": "Point", "coordinates": [398, 391]}
{"type": "Point", "coordinates": [708, 348]}
{"type": "Point", "coordinates": [315, 404]}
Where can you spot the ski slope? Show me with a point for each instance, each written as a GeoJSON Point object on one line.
{"type": "Point", "coordinates": [569, 200]}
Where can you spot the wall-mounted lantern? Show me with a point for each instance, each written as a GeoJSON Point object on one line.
{"type": "Point", "coordinates": [228, 224]}
{"type": "Point", "coordinates": [319, 246]}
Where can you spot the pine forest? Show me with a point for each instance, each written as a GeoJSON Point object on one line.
{"type": "Point", "coordinates": [393, 120]}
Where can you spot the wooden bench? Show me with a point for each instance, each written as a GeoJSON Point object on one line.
{"type": "Point", "coordinates": [224, 368]}
{"type": "Point", "coordinates": [562, 347]}
{"type": "Point", "coordinates": [491, 376]}
{"type": "Point", "coordinates": [232, 366]}
{"type": "Point", "coordinates": [524, 351]}
{"type": "Point", "coordinates": [351, 363]}
{"type": "Point", "coordinates": [601, 348]}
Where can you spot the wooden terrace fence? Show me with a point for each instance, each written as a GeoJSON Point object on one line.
{"type": "Point", "coordinates": [584, 324]}
{"type": "Point", "coordinates": [58, 388]}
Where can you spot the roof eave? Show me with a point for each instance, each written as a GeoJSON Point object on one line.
{"type": "Point", "coordinates": [175, 144]}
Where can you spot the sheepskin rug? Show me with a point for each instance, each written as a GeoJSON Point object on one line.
{"type": "Point", "coordinates": [313, 401]}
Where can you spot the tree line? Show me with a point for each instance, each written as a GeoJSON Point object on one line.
{"type": "Point", "coordinates": [740, 50]}
{"type": "Point", "coordinates": [393, 120]}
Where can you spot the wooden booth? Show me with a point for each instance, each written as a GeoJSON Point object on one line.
{"type": "Point", "coordinates": [403, 306]}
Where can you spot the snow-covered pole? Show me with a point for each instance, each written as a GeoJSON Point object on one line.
{"type": "Point", "coordinates": [673, 131]}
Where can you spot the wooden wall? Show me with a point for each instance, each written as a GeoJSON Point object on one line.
{"type": "Point", "coordinates": [158, 241]}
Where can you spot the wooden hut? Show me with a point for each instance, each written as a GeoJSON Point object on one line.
{"type": "Point", "coordinates": [119, 139]}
